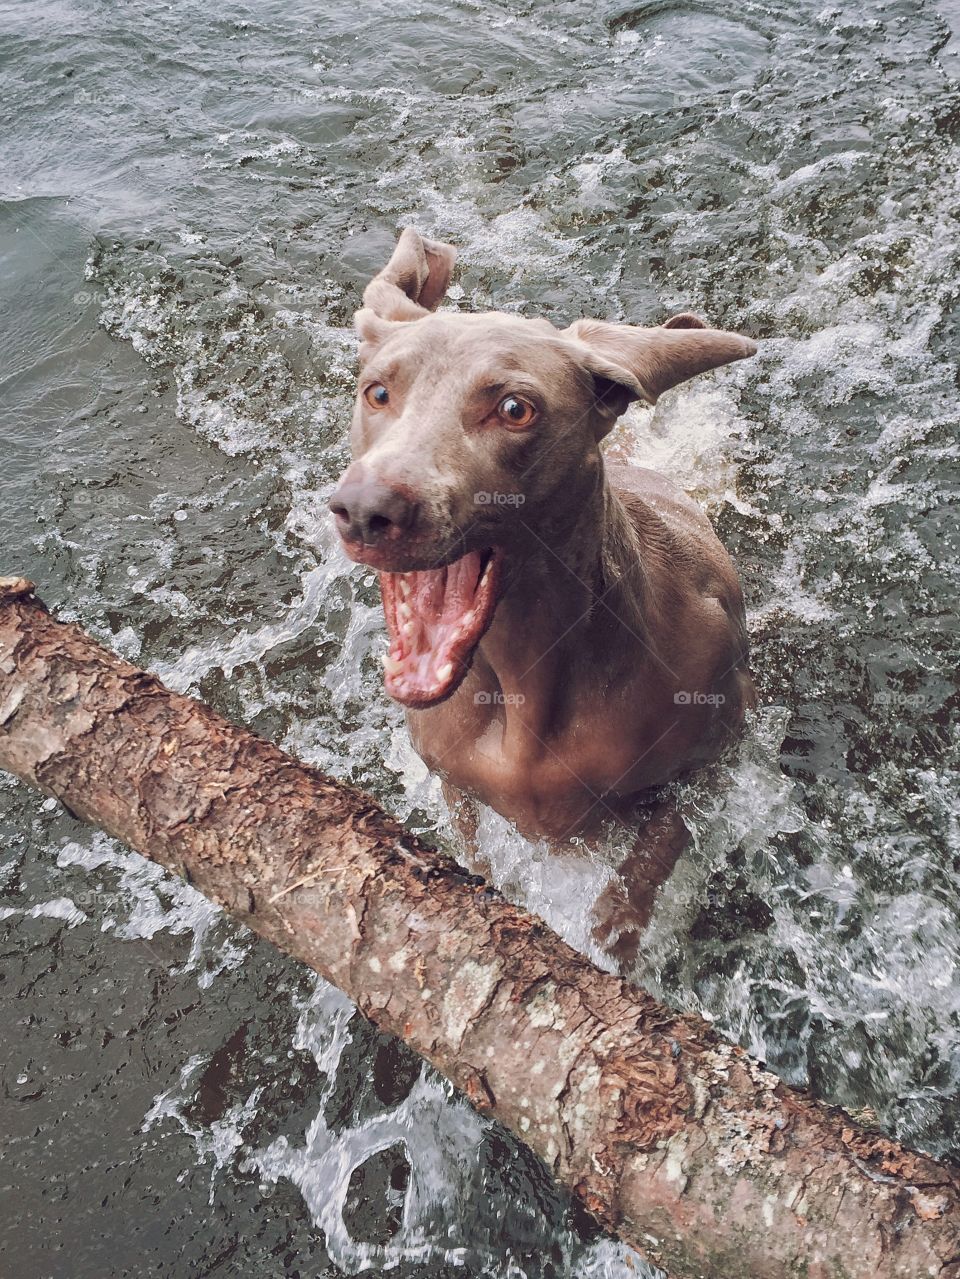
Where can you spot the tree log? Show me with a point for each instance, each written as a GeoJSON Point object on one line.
{"type": "Point", "coordinates": [672, 1138]}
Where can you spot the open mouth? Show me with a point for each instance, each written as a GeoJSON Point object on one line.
{"type": "Point", "coordinates": [435, 619]}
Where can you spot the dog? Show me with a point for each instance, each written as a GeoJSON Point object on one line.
{"type": "Point", "coordinates": [565, 634]}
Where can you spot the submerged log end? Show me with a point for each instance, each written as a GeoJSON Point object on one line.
{"type": "Point", "coordinates": [11, 587]}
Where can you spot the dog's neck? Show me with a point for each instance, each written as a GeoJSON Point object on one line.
{"type": "Point", "coordinates": [574, 598]}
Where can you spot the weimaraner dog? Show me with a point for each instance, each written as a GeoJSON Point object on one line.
{"type": "Point", "coordinates": [565, 634]}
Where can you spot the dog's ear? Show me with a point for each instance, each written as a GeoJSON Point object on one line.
{"type": "Point", "coordinates": [414, 280]}
{"type": "Point", "coordinates": [640, 364]}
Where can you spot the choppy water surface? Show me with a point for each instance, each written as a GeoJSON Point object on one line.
{"type": "Point", "coordinates": [193, 198]}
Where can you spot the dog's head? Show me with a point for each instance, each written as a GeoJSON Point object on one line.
{"type": "Point", "coordinates": [473, 438]}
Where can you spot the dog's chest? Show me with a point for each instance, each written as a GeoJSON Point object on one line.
{"type": "Point", "coordinates": [549, 783]}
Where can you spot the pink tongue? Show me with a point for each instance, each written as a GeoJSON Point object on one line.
{"type": "Point", "coordinates": [439, 601]}
{"type": "Point", "coordinates": [440, 598]}
{"type": "Point", "coordinates": [429, 590]}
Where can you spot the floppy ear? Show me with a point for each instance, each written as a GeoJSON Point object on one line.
{"type": "Point", "coordinates": [413, 281]}
{"type": "Point", "coordinates": [640, 364]}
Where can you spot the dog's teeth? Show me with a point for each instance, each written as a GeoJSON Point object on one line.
{"type": "Point", "coordinates": [390, 664]}
{"type": "Point", "coordinates": [404, 611]}
{"type": "Point", "coordinates": [445, 671]}
{"type": "Point", "coordinates": [468, 619]}
{"type": "Point", "coordinates": [404, 587]}
{"type": "Point", "coordinates": [406, 630]}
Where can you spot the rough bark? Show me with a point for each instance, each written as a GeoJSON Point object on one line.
{"type": "Point", "coordinates": [675, 1140]}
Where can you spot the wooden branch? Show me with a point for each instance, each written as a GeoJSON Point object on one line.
{"type": "Point", "coordinates": [675, 1140]}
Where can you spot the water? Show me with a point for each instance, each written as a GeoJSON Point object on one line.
{"type": "Point", "coordinates": [192, 201]}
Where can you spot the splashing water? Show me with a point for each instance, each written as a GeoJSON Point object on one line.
{"type": "Point", "coordinates": [213, 192]}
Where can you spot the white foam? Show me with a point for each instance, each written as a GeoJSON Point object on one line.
{"type": "Point", "coordinates": [692, 435]}
{"type": "Point", "coordinates": [62, 908]}
{"type": "Point", "coordinates": [138, 899]}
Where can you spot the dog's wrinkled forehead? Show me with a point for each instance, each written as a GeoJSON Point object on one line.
{"type": "Point", "coordinates": [489, 349]}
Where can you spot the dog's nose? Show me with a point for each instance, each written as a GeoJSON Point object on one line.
{"type": "Point", "coordinates": [369, 511]}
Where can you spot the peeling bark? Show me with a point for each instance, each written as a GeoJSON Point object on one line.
{"type": "Point", "coordinates": [673, 1139]}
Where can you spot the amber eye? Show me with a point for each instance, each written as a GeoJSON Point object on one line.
{"type": "Point", "coordinates": [377, 396]}
{"type": "Point", "coordinates": [515, 411]}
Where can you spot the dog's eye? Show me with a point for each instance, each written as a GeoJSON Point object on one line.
{"type": "Point", "coordinates": [377, 396]}
{"type": "Point", "coordinates": [516, 411]}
